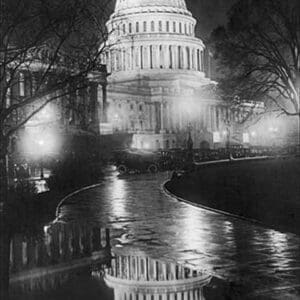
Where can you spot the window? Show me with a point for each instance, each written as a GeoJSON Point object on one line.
{"type": "Point", "coordinates": [141, 107]}
{"type": "Point", "coordinates": [151, 57]}
{"type": "Point", "coordinates": [170, 58]}
{"type": "Point", "coordinates": [160, 26]}
{"type": "Point", "coordinates": [180, 28]}
{"type": "Point", "coordinates": [145, 26]}
{"type": "Point", "coordinates": [21, 85]}
{"type": "Point", "coordinates": [124, 28]}
{"type": "Point", "coordinates": [131, 106]}
{"type": "Point", "coordinates": [130, 28]}
{"type": "Point", "coordinates": [152, 26]}
{"type": "Point", "coordinates": [161, 56]}
{"type": "Point", "coordinates": [185, 28]}
{"type": "Point", "coordinates": [174, 26]}
{"type": "Point", "coordinates": [168, 26]}
{"type": "Point", "coordinates": [137, 27]}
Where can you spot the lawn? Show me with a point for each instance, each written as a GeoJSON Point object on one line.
{"type": "Point", "coordinates": [265, 190]}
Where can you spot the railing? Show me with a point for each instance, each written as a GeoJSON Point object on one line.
{"type": "Point", "coordinates": [64, 247]}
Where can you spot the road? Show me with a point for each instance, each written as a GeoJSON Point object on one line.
{"type": "Point", "coordinates": [264, 262]}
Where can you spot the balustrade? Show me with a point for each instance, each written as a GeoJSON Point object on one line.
{"type": "Point", "coordinates": [62, 243]}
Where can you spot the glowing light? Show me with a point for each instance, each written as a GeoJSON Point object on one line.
{"type": "Point", "coordinates": [216, 137]}
{"type": "Point", "coordinates": [253, 133]}
{"type": "Point", "coordinates": [246, 139]}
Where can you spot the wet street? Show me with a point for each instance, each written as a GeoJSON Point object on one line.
{"type": "Point", "coordinates": [143, 219]}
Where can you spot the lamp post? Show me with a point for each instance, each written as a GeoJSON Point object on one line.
{"type": "Point", "coordinates": [227, 136]}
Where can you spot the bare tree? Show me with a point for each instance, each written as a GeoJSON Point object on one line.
{"type": "Point", "coordinates": [258, 54]}
{"type": "Point", "coordinates": [52, 45]}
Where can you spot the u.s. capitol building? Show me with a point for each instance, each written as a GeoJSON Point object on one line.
{"type": "Point", "coordinates": [158, 87]}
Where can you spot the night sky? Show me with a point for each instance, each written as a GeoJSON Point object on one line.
{"type": "Point", "coordinates": [209, 14]}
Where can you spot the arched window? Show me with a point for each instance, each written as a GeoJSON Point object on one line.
{"type": "Point", "coordinates": [130, 28]}
{"type": "Point", "coordinates": [145, 26]}
{"type": "Point", "coordinates": [185, 28]}
{"type": "Point", "coordinates": [160, 26]}
{"type": "Point", "coordinates": [168, 26]}
{"type": "Point", "coordinates": [137, 27]}
{"type": "Point", "coordinates": [198, 59]}
{"type": "Point", "coordinates": [123, 59]}
{"type": "Point", "coordinates": [170, 58]}
{"type": "Point", "coordinates": [161, 56]}
{"type": "Point", "coordinates": [151, 57]}
{"type": "Point", "coordinates": [174, 26]}
{"type": "Point", "coordinates": [124, 28]}
{"type": "Point", "coordinates": [152, 26]}
{"type": "Point", "coordinates": [180, 27]}
{"type": "Point", "coordinates": [142, 57]}
{"type": "Point", "coordinates": [188, 58]}
{"type": "Point", "coordinates": [179, 58]}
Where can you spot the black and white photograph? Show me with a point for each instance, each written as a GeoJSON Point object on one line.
{"type": "Point", "coordinates": [149, 149]}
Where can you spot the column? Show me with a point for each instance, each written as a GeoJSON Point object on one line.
{"type": "Point", "coordinates": [173, 50]}
{"type": "Point", "coordinates": [168, 115]}
{"type": "Point", "coordinates": [190, 58]}
{"type": "Point", "coordinates": [156, 56]}
{"type": "Point", "coordinates": [138, 57]}
{"type": "Point", "coordinates": [162, 123]}
{"type": "Point", "coordinates": [148, 64]}
{"type": "Point", "coordinates": [208, 118]}
{"type": "Point", "coordinates": [166, 55]}
{"type": "Point", "coordinates": [130, 58]}
{"type": "Point", "coordinates": [121, 63]}
{"type": "Point", "coordinates": [194, 66]}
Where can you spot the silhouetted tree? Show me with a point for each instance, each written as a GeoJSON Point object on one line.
{"type": "Point", "coordinates": [52, 45]}
{"type": "Point", "coordinates": [258, 54]}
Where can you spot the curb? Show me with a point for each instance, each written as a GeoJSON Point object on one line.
{"type": "Point", "coordinates": [89, 187]}
{"type": "Point", "coordinates": [213, 210]}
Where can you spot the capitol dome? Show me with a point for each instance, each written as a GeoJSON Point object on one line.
{"type": "Point", "coordinates": [122, 5]}
{"type": "Point", "coordinates": [156, 69]}
{"type": "Point", "coordinates": [147, 35]}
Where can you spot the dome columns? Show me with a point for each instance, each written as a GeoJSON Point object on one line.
{"type": "Point", "coordinates": [155, 56]}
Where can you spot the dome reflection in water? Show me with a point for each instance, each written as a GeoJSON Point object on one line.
{"type": "Point", "coordinates": [75, 261]}
{"type": "Point", "coordinates": [140, 277]}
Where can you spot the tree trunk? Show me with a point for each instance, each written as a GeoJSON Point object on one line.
{"type": "Point", "coordinates": [4, 229]}
{"type": "Point", "coordinates": [4, 257]}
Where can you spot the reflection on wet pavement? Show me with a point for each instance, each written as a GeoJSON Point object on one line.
{"type": "Point", "coordinates": [140, 277]}
{"type": "Point", "coordinates": [142, 217]}
{"type": "Point", "coordinates": [148, 228]}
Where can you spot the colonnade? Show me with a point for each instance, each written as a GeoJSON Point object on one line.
{"type": "Point", "coordinates": [193, 294]}
{"type": "Point", "coordinates": [180, 283]}
{"type": "Point", "coordinates": [140, 268]}
{"type": "Point", "coordinates": [155, 57]}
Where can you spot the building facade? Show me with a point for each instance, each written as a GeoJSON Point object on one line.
{"type": "Point", "coordinates": [72, 118]}
{"type": "Point", "coordinates": [158, 88]}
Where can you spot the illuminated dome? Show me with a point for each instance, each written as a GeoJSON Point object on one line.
{"type": "Point", "coordinates": [156, 64]}
{"type": "Point", "coordinates": [149, 35]}
{"type": "Point", "coordinates": [126, 5]}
